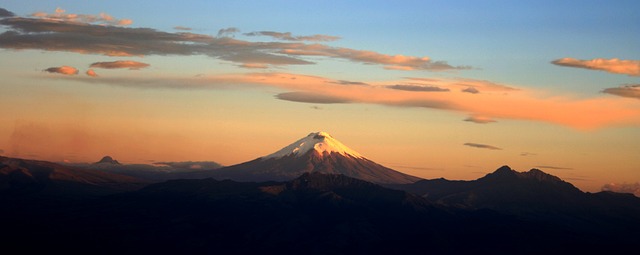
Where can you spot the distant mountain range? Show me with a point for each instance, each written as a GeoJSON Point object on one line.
{"type": "Point", "coordinates": [315, 196]}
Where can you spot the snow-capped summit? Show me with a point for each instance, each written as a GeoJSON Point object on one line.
{"type": "Point", "coordinates": [318, 152]}
{"type": "Point", "coordinates": [321, 142]}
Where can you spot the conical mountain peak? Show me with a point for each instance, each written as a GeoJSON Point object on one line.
{"type": "Point", "coordinates": [321, 142]}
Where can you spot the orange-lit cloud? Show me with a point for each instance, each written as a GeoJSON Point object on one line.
{"type": "Point", "coordinates": [254, 66]}
{"type": "Point", "coordinates": [504, 102]}
{"type": "Point", "coordinates": [91, 73]}
{"type": "Point", "coordinates": [482, 146]}
{"type": "Point", "coordinates": [479, 119]}
{"type": "Point", "coordinates": [614, 65]}
{"type": "Point", "coordinates": [288, 37]}
{"type": "Point", "coordinates": [66, 70]}
{"type": "Point", "coordinates": [132, 65]}
{"type": "Point", "coordinates": [632, 91]}
{"type": "Point", "coordinates": [102, 18]}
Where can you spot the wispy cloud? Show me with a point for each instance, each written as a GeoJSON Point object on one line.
{"type": "Point", "coordinates": [66, 70]}
{"type": "Point", "coordinates": [182, 28]}
{"type": "Point", "coordinates": [314, 98]}
{"type": "Point", "coordinates": [632, 91]}
{"type": "Point", "coordinates": [228, 32]}
{"type": "Point", "coordinates": [554, 167]}
{"type": "Point", "coordinates": [482, 146]}
{"type": "Point", "coordinates": [479, 119]}
{"type": "Point", "coordinates": [89, 34]}
{"type": "Point", "coordinates": [614, 65]}
{"type": "Point", "coordinates": [526, 154]}
{"type": "Point", "coordinates": [102, 18]}
{"type": "Point", "coordinates": [5, 13]}
{"type": "Point", "coordinates": [633, 188]}
{"type": "Point", "coordinates": [132, 65]}
{"type": "Point", "coordinates": [580, 113]}
{"type": "Point", "coordinates": [350, 83]}
{"type": "Point", "coordinates": [254, 66]}
{"type": "Point", "coordinates": [471, 90]}
{"type": "Point", "coordinates": [288, 37]}
{"type": "Point", "coordinates": [418, 88]}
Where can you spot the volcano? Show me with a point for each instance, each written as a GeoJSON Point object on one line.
{"type": "Point", "coordinates": [317, 152]}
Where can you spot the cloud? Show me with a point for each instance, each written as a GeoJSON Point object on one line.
{"type": "Point", "coordinates": [254, 66]}
{"type": "Point", "coordinates": [395, 62]}
{"type": "Point", "coordinates": [514, 104]}
{"type": "Point", "coordinates": [190, 165]}
{"type": "Point", "coordinates": [91, 73]}
{"type": "Point", "coordinates": [614, 65]}
{"type": "Point", "coordinates": [102, 18]}
{"type": "Point", "coordinates": [81, 34]}
{"type": "Point", "coordinates": [228, 32]}
{"type": "Point", "coordinates": [417, 88]}
{"type": "Point", "coordinates": [288, 37]}
{"type": "Point", "coordinates": [307, 97]}
{"type": "Point", "coordinates": [132, 65]}
{"type": "Point", "coordinates": [482, 146]}
{"type": "Point", "coordinates": [350, 83]}
{"type": "Point", "coordinates": [632, 91]}
{"type": "Point", "coordinates": [526, 154]}
{"type": "Point", "coordinates": [554, 167]}
{"type": "Point", "coordinates": [66, 70]}
{"type": "Point", "coordinates": [633, 188]}
{"type": "Point", "coordinates": [6, 13]}
{"type": "Point", "coordinates": [479, 119]}
{"type": "Point", "coordinates": [1, 151]}
{"type": "Point", "coordinates": [471, 90]}
{"type": "Point", "coordinates": [182, 28]}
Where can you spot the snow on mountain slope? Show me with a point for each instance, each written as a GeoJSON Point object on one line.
{"type": "Point", "coordinates": [320, 141]}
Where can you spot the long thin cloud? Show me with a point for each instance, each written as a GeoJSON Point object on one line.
{"type": "Point", "coordinates": [479, 119]}
{"type": "Point", "coordinates": [631, 91]}
{"type": "Point", "coordinates": [132, 65]}
{"type": "Point", "coordinates": [614, 65]}
{"type": "Point", "coordinates": [89, 34]}
{"type": "Point", "coordinates": [511, 103]}
{"type": "Point", "coordinates": [482, 146]}
{"type": "Point", "coordinates": [287, 36]}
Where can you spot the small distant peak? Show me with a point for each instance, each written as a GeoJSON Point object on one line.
{"type": "Point", "coordinates": [504, 169]}
{"type": "Point", "coordinates": [108, 160]}
{"type": "Point", "coordinates": [503, 172]}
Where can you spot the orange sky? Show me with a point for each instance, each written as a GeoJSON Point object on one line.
{"type": "Point", "coordinates": [453, 95]}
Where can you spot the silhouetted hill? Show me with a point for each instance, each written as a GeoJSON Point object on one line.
{"type": "Point", "coordinates": [21, 178]}
{"type": "Point", "coordinates": [505, 212]}
{"type": "Point", "coordinates": [108, 160]}
{"type": "Point", "coordinates": [157, 172]}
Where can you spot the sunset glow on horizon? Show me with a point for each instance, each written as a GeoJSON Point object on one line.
{"type": "Point", "coordinates": [431, 89]}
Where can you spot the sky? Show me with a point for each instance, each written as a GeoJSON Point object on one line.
{"type": "Point", "coordinates": [451, 89]}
